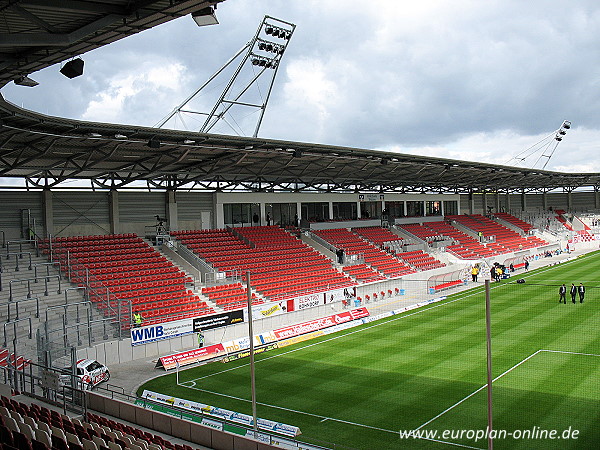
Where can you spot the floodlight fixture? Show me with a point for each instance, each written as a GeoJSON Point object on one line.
{"type": "Point", "coordinates": [120, 136]}
{"type": "Point", "coordinates": [73, 68]}
{"type": "Point", "coordinates": [153, 142]}
{"type": "Point", "coordinates": [566, 125]}
{"type": "Point", "coordinates": [26, 81]}
{"type": "Point", "coordinates": [205, 16]}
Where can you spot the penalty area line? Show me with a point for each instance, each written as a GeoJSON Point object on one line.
{"type": "Point", "coordinates": [478, 390]}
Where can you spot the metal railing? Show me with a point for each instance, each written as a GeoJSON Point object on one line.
{"type": "Point", "coordinates": [20, 256]}
{"type": "Point", "coordinates": [194, 260]}
{"type": "Point", "coordinates": [29, 280]}
{"type": "Point", "coordinates": [17, 304]}
{"type": "Point", "coordinates": [20, 242]}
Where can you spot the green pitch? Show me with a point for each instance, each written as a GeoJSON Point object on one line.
{"type": "Point", "coordinates": [426, 370]}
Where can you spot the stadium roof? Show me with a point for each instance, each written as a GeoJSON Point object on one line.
{"type": "Point", "coordinates": [49, 152]}
{"type": "Point", "coordinates": [35, 34]}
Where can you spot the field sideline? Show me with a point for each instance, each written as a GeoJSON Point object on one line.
{"type": "Point", "coordinates": [425, 370]}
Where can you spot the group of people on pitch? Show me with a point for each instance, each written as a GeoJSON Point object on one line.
{"type": "Point", "coordinates": [562, 293]}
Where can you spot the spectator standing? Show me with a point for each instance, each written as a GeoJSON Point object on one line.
{"type": "Point", "coordinates": [474, 273]}
{"type": "Point", "coordinates": [137, 320]}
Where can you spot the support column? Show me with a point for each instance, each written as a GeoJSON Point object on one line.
{"type": "Point", "coordinates": [262, 208]}
{"type": "Point", "coordinates": [330, 210]}
{"type": "Point", "coordinates": [484, 202]}
{"type": "Point", "coordinates": [497, 201]}
{"type": "Point", "coordinates": [596, 198]}
{"type": "Point", "coordinates": [172, 216]}
{"type": "Point", "coordinates": [359, 212]}
{"type": "Point", "coordinates": [471, 203]}
{"type": "Point", "coordinates": [507, 202]}
{"type": "Point", "coordinates": [523, 201]}
{"type": "Point", "coordinates": [113, 212]}
{"type": "Point", "coordinates": [544, 201]}
{"type": "Point", "coordinates": [569, 201]}
{"type": "Point", "coordinates": [48, 212]}
{"type": "Point", "coordinates": [219, 218]}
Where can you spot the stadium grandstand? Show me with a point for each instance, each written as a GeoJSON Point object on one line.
{"type": "Point", "coordinates": [173, 242]}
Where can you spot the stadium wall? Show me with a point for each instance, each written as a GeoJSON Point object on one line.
{"type": "Point", "coordinates": [117, 352]}
{"type": "Point", "coordinates": [72, 213]}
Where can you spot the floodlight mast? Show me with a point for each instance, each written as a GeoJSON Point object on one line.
{"type": "Point", "coordinates": [545, 147]}
{"type": "Point", "coordinates": [261, 51]}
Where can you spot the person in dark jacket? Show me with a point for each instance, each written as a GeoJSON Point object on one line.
{"type": "Point", "coordinates": [573, 292]}
{"type": "Point", "coordinates": [581, 290]}
{"type": "Point", "coordinates": [562, 294]}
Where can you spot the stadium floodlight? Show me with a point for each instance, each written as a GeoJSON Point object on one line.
{"type": "Point", "coordinates": [120, 136]}
{"type": "Point", "coordinates": [153, 142]}
{"type": "Point", "coordinates": [73, 68]}
{"type": "Point", "coordinates": [205, 16]}
{"type": "Point", "coordinates": [26, 81]}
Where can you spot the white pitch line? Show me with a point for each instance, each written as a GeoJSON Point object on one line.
{"type": "Point", "coordinates": [478, 390]}
{"type": "Point", "coordinates": [318, 416]}
{"type": "Point", "coordinates": [570, 353]}
{"type": "Point", "coordinates": [456, 444]}
{"type": "Point", "coordinates": [333, 419]}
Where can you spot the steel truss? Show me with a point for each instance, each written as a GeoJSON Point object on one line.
{"type": "Point", "coordinates": [263, 52]}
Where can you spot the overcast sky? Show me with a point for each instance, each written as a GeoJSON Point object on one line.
{"type": "Point", "coordinates": [478, 80]}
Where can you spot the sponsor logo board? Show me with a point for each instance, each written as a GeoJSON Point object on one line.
{"type": "Point", "coordinates": [337, 295]}
{"type": "Point", "coordinates": [218, 320]}
{"type": "Point", "coordinates": [269, 309]}
{"type": "Point", "coordinates": [308, 301]}
{"type": "Point", "coordinates": [191, 356]}
{"type": "Point", "coordinates": [321, 323]}
{"type": "Point", "coordinates": [224, 414]}
{"type": "Point", "coordinates": [166, 330]}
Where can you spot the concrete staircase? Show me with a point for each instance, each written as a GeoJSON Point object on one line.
{"type": "Point", "coordinates": [38, 297]}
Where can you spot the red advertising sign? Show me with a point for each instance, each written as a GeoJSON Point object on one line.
{"type": "Point", "coordinates": [319, 324]}
{"type": "Point", "coordinates": [191, 356]}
